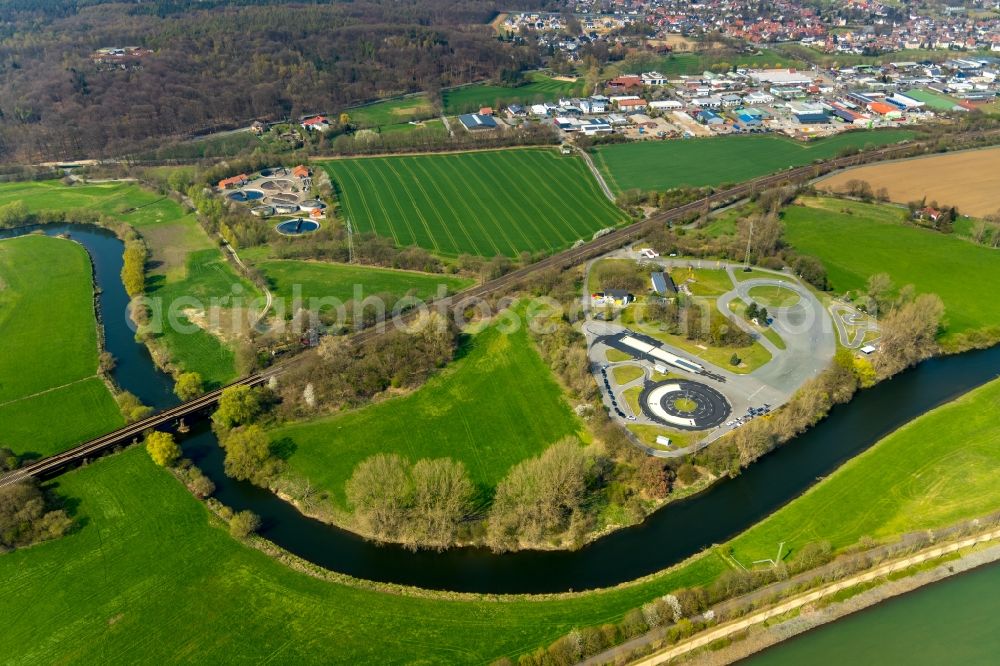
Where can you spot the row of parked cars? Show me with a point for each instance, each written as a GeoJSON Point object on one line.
{"type": "Point", "coordinates": [611, 394]}
{"type": "Point", "coordinates": [751, 413]}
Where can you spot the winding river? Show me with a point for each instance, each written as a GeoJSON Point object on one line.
{"type": "Point", "coordinates": [670, 535]}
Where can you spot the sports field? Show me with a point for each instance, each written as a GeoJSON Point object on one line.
{"type": "Point", "coordinates": [660, 165]}
{"type": "Point", "coordinates": [969, 180]}
{"type": "Point", "coordinates": [315, 279]}
{"type": "Point", "coordinates": [494, 407]}
{"type": "Point", "coordinates": [487, 203]}
{"type": "Point", "coordinates": [50, 394]}
{"type": "Point", "coordinates": [538, 88]}
{"type": "Point", "coordinates": [873, 239]}
{"type": "Point", "coordinates": [933, 99]}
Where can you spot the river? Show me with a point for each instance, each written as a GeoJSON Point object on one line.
{"type": "Point", "coordinates": [950, 622]}
{"type": "Point", "coordinates": [670, 535]}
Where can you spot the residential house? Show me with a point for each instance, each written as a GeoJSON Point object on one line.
{"type": "Point", "coordinates": [317, 123]}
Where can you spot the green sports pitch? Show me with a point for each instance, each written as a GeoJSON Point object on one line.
{"type": "Point", "coordinates": [660, 165]}
{"type": "Point", "coordinates": [486, 203]}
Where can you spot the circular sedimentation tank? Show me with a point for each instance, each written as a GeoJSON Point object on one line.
{"type": "Point", "coordinates": [297, 227]}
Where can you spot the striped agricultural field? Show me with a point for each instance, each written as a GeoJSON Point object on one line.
{"type": "Point", "coordinates": [487, 203]}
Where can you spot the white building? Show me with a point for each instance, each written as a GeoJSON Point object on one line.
{"type": "Point", "coordinates": [665, 104]}
{"type": "Point", "coordinates": [653, 79]}
{"type": "Point", "coordinates": [758, 97]}
{"type": "Point", "coordinates": [707, 102]}
{"type": "Point", "coordinates": [782, 77]}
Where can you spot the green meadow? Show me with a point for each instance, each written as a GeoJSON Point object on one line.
{"type": "Point", "coordinates": [184, 262]}
{"type": "Point", "coordinates": [856, 240]}
{"type": "Point", "coordinates": [315, 279]}
{"type": "Point", "coordinates": [487, 203]}
{"type": "Point", "coordinates": [391, 111]}
{"type": "Point", "coordinates": [661, 165]}
{"type": "Point", "coordinates": [50, 394]}
{"type": "Point", "coordinates": [199, 344]}
{"type": "Point", "coordinates": [209, 598]}
{"type": "Point", "coordinates": [932, 472]}
{"type": "Point", "coordinates": [538, 88]}
{"type": "Point", "coordinates": [151, 578]}
{"type": "Point", "coordinates": [678, 64]}
{"type": "Point", "coordinates": [495, 406]}
{"type": "Point", "coordinates": [125, 201]}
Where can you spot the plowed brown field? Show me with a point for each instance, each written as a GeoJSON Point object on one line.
{"type": "Point", "coordinates": [968, 180]}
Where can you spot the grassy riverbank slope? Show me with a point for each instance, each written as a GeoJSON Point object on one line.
{"type": "Point", "coordinates": [932, 472]}
{"type": "Point", "coordinates": [851, 238]}
{"type": "Point", "coordinates": [50, 393]}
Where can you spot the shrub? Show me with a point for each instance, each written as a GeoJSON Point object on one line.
{"type": "Point", "coordinates": [244, 523]}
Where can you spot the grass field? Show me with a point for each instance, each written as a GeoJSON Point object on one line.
{"type": "Point", "coordinates": [853, 247]}
{"type": "Point", "coordinates": [678, 64]}
{"type": "Point", "coordinates": [934, 100]}
{"type": "Point", "coordinates": [774, 297]}
{"type": "Point", "coordinates": [537, 88]}
{"type": "Point", "coordinates": [49, 340]}
{"type": "Point", "coordinates": [208, 599]}
{"type": "Point", "coordinates": [391, 112]}
{"type": "Point", "coordinates": [967, 180]}
{"type": "Point", "coordinates": [324, 280]}
{"type": "Point", "coordinates": [627, 373]}
{"type": "Point", "coordinates": [494, 407]}
{"type": "Point", "coordinates": [487, 203]}
{"type": "Point", "coordinates": [212, 600]}
{"type": "Point", "coordinates": [660, 165]}
{"type": "Point", "coordinates": [125, 201]}
{"type": "Point", "coordinates": [184, 262]}
{"type": "Point", "coordinates": [932, 472]}
{"type": "Point", "coordinates": [206, 277]}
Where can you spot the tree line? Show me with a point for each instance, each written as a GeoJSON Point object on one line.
{"type": "Point", "coordinates": [216, 66]}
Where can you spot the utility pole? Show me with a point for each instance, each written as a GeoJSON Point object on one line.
{"type": "Point", "coordinates": [746, 260]}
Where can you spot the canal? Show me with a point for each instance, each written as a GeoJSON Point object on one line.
{"type": "Point", "coordinates": [950, 622]}
{"type": "Point", "coordinates": [670, 535]}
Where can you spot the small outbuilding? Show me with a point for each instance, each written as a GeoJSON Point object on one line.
{"type": "Point", "coordinates": [663, 284]}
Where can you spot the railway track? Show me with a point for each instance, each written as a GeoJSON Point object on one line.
{"type": "Point", "coordinates": [610, 241]}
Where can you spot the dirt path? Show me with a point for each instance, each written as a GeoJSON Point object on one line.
{"type": "Point", "coordinates": [705, 638]}
{"type": "Point", "coordinates": [597, 174]}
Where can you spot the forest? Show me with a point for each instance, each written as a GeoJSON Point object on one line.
{"type": "Point", "coordinates": [219, 65]}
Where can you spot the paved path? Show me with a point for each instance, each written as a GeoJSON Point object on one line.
{"type": "Point", "coordinates": [846, 317]}
{"type": "Point", "coordinates": [737, 626]}
{"type": "Point", "coordinates": [805, 328]}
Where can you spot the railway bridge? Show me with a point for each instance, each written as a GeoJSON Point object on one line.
{"type": "Point", "coordinates": [613, 240]}
{"type": "Point", "coordinates": [169, 418]}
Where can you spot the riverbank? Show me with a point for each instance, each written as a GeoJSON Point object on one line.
{"type": "Point", "coordinates": [814, 613]}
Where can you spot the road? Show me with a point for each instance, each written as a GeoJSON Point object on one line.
{"type": "Point", "coordinates": [738, 626]}
{"type": "Point", "coordinates": [805, 328]}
